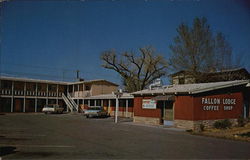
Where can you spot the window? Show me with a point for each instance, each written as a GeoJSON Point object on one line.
{"type": "Point", "coordinates": [42, 87]}
{"type": "Point", "coordinates": [87, 87]}
{"type": "Point", "coordinates": [31, 86]}
{"type": "Point", "coordinates": [131, 102]}
{"type": "Point", "coordinates": [181, 80]}
{"type": "Point", "coordinates": [52, 88]}
{"type": "Point", "coordinates": [19, 86]}
{"type": "Point", "coordinates": [6, 84]}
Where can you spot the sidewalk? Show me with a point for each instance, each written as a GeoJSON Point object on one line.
{"type": "Point", "coordinates": [172, 128]}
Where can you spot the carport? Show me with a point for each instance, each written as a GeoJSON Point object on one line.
{"type": "Point", "coordinates": [107, 101]}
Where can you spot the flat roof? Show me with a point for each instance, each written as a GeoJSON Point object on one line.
{"type": "Point", "coordinates": [32, 80]}
{"type": "Point", "coordinates": [216, 72]}
{"type": "Point", "coordinates": [111, 96]}
{"type": "Point", "coordinates": [54, 82]}
{"type": "Point", "coordinates": [93, 81]}
{"type": "Point", "coordinates": [191, 88]}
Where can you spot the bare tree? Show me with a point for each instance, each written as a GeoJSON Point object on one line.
{"type": "Point", "coordinates": [196, 49]}
{"type": "Point", "coordinates": [137, 70]}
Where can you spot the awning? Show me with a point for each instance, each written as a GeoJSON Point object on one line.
{"type": "Point", "coordinates": [164, 98]}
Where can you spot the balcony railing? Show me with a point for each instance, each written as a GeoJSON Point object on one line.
{"type": "Point", "coordinates": [80, 94]}
{"type": "Point", "coordinates": [5, 92]}
{"type": "Point", "coordinates": [18, 93]}
{"type": "Point", "coordinates": [41, 94]}
{"type": "Point", "coordinates": [29, 93]}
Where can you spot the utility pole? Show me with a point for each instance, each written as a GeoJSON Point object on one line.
{"type": "Point", "coordinates": [77, 75]}
{"type": "Point", "coordinates": [63, 74]}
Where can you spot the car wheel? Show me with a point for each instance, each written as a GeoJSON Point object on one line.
{"type": "Point", "coordinates": [87, 116]}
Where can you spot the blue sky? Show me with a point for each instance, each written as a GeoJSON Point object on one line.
{"type": "Point", "coordinates": [53, 39]}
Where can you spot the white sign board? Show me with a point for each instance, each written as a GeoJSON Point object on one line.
{"type": "Point", "coordinates": [148, 104]}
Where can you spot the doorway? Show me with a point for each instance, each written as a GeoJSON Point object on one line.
{"type": "Point", "coordinates": [167, 114]}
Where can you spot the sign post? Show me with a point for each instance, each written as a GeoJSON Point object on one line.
{"type": "Point", "coordinates": [118, 94]}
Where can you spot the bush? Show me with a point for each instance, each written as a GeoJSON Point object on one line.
{"type": "Point", "coordinates": [189, 130]}
{"type": "Point", "coordinates": [202, 127]}
{"type": "Point", "coordinates": [241, 122]}
{"type": "Point", "coordinates": [222, 124]}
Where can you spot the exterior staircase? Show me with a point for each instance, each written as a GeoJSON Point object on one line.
{"type": "Point", "coordinates": [72, 106]}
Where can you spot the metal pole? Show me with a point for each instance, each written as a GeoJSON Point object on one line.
{"type": "Point", "coordinates": [24, 100]}
{"type": "Point", "coordinates": [116, 108]}
{"type": "Point", "coordinates": [126, 107]}
{"type": "Point", "coordinates": [12, 97]}
{"type": "Point", "coordinates": [36, 99]}
{"type": "Point", "coordinates": [57, 93]}
{"type": "Point", "coordinates": [78, 90]}
{"type": "Point", "coordinates": [83, 104]}
{"type": "Point", "coordinates": [109, 103]}
{"type": "Point", "coordinates": [66, 96]}
{"type": "Point", "coordinates": [47, 97]}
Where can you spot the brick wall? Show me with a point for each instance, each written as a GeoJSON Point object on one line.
{"type": "Point", "coordinates": [195, 125]}
{"type": "Point", "coordinates": [146, 120]}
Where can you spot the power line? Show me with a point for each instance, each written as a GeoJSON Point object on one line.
{"type": "Point", "coordinates": [13, 73]}
{"type": "Point", "coordinates": [36, 66]}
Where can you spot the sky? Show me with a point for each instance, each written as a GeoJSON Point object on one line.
{"type": "Point", "coordinates": [51, 39]}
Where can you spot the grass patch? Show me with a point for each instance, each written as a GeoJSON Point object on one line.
{"type": "Point", "coordinates": [245, 134]}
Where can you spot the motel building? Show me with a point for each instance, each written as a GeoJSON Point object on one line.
{"type": "Point", "coordinates": [189, 105]}
{"type": "Point", "coordinates": [31, 95]}
{"type": "Point", "coordinates": [178, 105]}
{"type": "Point", "coordinates": [22, 95]}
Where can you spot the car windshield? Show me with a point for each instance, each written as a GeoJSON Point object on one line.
{"type": "Point", "coordinates": [49, 106]}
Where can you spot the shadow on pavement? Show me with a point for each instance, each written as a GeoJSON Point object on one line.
{"type": "Point", "coordinates": [5, 150]}
{"type": "Point", "coordinates": [35, 155]}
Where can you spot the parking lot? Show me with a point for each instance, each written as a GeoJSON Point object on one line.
{"type": "Point", "coordinates": [69, 136]}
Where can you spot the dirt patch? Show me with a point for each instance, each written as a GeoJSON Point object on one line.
{"type": "Point", "coordinates": [235, 133]}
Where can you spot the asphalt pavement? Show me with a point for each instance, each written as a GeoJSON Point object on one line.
{"type": "Point", "coordinates": [72, 136]}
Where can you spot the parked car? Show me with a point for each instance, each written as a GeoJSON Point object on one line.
{"type": "Point", "coordinates": [95, 112]}
{"type": "Point", "coordinates": [52, 108]}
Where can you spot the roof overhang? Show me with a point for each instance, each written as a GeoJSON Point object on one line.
{"type": "Point", "coordinates": [110, 96]}
{"type": "Point", "coordinates": [32, 80]}
{"type": "Point", "coordinates": [245, 82]}
{"type": "Point", "coordinates": [192, 88]}
{"type": "Point", "coordinates": [164, 98]}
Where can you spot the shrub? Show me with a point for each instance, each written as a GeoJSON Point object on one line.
{"type": "Point", "coordinates": [189, 130]}
{"type": "Point", "coordinates": [202, 127]}
{"type": "Point", "coordinates": [222, 124]}
{"type": "Point", "coordinates": [241, 122]}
